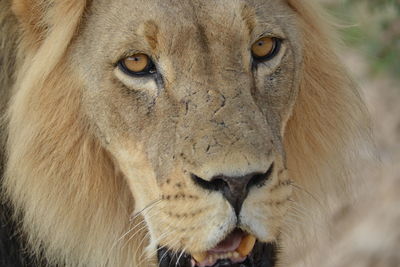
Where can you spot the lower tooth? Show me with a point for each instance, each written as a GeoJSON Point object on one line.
{"type": "Point", "coordinates": [246, 246]}
{"type": "Point", "coordinates": [244, 249]}
{"type": "Point", "coordinates": [200, 257]}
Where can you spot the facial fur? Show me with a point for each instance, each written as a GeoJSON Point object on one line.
{"type": "Point", "coordinates": [209, 111]}
{"type": "Point", "coordinates": [116, 145]}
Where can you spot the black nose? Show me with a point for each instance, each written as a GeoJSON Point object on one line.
{"type": "Point", "coordinates": [234, 189]}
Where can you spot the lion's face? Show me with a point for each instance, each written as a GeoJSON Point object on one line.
{"type": "Point", "coordinates": [199, 134]}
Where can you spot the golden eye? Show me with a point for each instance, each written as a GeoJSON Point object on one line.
{"type": "Point", "coordinates": [138, 64]}
{"type": "Point", "coordinates": [265, 48]}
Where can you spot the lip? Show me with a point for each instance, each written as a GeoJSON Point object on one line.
{"type": "Point", "coordinates": [262, 255]}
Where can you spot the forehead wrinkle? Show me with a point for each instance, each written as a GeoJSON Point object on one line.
{"type": "Point", "coordinates": [271, 24]}
{"type": "Point", "coordinates": [249, 17]}
{"type": "Point", "coordinates": [150, 31]}
{"type": "Point", "coordinates": [200, 29]}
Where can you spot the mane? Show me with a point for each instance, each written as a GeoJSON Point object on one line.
{"type": "Point", "coordinates": [71, 200]}
{"type": "Point", "coordinates": [327, 139]}
{"type": "Point", "coordinates": [69, 195]}
{"type": "Point", "coordinates": [7, 62]}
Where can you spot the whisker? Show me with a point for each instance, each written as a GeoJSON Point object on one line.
{"type": "Point", "coordinates": [122, 237]}
{"type": "Point", "coordinates": [302, 189]}
{"type": "Point", "coordinates": [167, 233]}
{"type": "Point", "coordinates": [161, 247]}
{"type": "Point", "coordinates": [138, 230]}
{"type": "Point", "coordinates": [141, 224]}
{"type": "Point", "coordinates": [147, 235]}
{"type": "Point", "coordinates": [294, 208]}
{"type": "Point", "coordinates": [152, 204]}
{"type": "Point", "coordinates": [125, 234]}
{"type": "Point", "coordinates": [177, 260]}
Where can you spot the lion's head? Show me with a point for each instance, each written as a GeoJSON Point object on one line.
{"type": "Point", "coordinates": [197, 117]}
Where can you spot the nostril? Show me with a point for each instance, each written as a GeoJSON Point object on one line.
{"type": "Point", "coordinates": [214, 185]}
{"type": "Point", "coordinates": [234, 184]}
{"type": "Point", "coordinates": [234, 189]}
{"type": "Point", "coordinates": [259, 180]}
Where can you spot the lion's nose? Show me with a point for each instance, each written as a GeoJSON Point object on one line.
{"type": "Point", "coordinates": [234, 189]}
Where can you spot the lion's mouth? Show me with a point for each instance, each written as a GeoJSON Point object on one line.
{"type": "Point", "coordinates": [238, 249]}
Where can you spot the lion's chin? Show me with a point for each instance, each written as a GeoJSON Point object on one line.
{"type": "Point", "coordinates": [238, 249]}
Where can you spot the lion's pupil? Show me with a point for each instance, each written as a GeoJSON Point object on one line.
{"type": "Point", "coordinates": [136, 63]}
{"type": "Point", "coordinates": [263, 47]}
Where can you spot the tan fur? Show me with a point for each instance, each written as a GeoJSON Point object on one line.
{"type": "Point", "coordinates": [82, 158]}
{"type": "Point", "coordinates": [366, 234]}
{"type": "Point", "coordinates": [8, 42]}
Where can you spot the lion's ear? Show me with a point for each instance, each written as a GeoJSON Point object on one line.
{"type": "Point", "coordinates": [38, 18]}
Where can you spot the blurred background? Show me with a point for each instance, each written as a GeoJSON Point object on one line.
{"type": "Point", "coordinates": [370, 30]}
{"type": "Point", "coordinates": [368, 235]}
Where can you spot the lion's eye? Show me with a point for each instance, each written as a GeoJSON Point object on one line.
{"type": "Point", "coordinates": [265, 48]}
{"type": "Point", "coordinates": [137, 65]}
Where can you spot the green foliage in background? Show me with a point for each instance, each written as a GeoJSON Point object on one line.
{"type": "Point", "coordinates": [374, 27]}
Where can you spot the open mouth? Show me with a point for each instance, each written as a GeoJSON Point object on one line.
{"type": "Point", "coordinates": [238, 249]}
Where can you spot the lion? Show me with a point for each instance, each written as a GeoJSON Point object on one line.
{"type": "Point", "coordinates": [174, 133]}
{"type": "Point", "coordinates": [367, 234]}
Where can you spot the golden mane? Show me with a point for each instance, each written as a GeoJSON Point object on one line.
{"type": "Point", "coordinates": [68, 194]}
{"type": "Point", "coordinates": [327, 136]}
